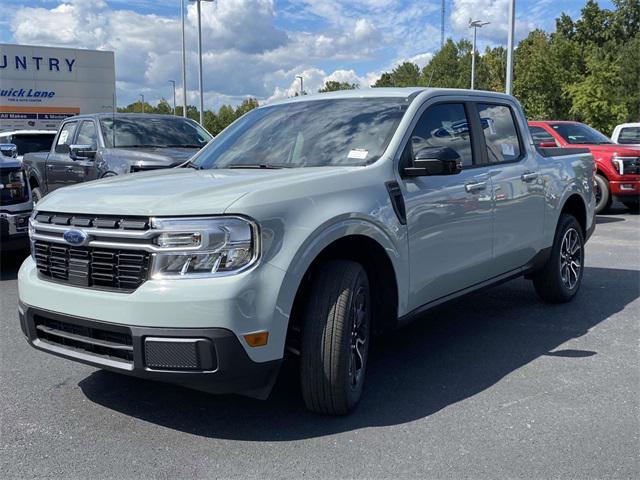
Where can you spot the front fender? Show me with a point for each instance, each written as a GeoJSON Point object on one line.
{"type": "Point", "coordinates": [393, 242]}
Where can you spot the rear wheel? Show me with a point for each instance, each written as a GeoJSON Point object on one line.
{"type": "Point", "coordinates": [335, 338]}
{"type": "Point", "coordinates": [603, 195]}
{"type": "Point", "coordinates": [559, 280]}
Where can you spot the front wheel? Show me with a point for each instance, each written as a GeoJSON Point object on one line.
{"type": "Point", "coordinates": [603, 195]}
{"type": "Point", "coordinates": [559, 280]}
{"type": "Point", "coordinates": [335, 338]}
{"type": "Point", "coordinates": [36, 195]}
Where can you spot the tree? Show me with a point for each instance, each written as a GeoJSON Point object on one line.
{"type": "Point", "coordinates": [333, 86]}
{"type": "Point", "coordinates": [406, 74]}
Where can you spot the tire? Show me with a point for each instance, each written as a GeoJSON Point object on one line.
{"type": "Point", "coordinates": [559, 280]}
{"type": "Point", "coordinates": [633, 206]}
{"type": "Point", "coordinates": [36, 194]}
{"type": "Point", "coordinates": [335, 338]}
{"type": "Point", "coordinates": [603, 194]}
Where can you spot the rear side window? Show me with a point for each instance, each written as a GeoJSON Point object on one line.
{"type": "Point", "coordinates": [629, 136]}
{"type": "Point", "coordinates": [540, 135]}
{"type": "Point", "coordinates": [444, 125]}
{"type": "Point", "coordinates": [66, 137]}
{"type": "Point", "coordinates": [500, 133]}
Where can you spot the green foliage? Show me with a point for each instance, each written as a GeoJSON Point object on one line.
{"type": "Point", "coordinates": [333, 86]}
{"type": "Point", "coordinates": [587, 70]}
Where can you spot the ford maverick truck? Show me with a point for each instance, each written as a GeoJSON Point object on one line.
{"type": "Point", "coordinates": [89, 147]}
{"type": "Point", "coordinates": [618, 166]}
{"type": "Point", "coordinates": [305, 228]}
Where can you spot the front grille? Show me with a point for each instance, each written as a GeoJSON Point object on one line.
{"type": "Point", "coordinates": [92, 221]}
{"type": "Point", "coordinates": [92, 267]}
{"type": "Point", "coordinates": [631, 166]}
{"type": "Point", "coordinates": [115, 343]}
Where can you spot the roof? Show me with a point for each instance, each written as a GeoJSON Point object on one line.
{"type": "Point", "coordinates": [630, 124]}
{"type": "Point", "coordinates": [28, 132]}
{"type": "Point", "coordinates": [125, 115]}
{"type": "Point", "coordinates": [385, 92]}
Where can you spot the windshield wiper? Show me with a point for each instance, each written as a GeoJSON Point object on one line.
{"type": "Point", "coordinates": [269, 166]}
{"type": "Point", "coordinates": [189, 164]}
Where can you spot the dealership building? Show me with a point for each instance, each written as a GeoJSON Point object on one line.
{"type": "Point", "coordinates": [41, 86]}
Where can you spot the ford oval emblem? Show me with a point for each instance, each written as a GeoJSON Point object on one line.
{"type": "Point", "coordinates": [74, 237]}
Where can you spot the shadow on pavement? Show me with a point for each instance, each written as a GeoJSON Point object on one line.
{"type": "Point", "coordinates": [443, 358]}
{"type": "Point", "coordinates": [10, 263]}
{"type": "Point", "coordinates": [600, 219]}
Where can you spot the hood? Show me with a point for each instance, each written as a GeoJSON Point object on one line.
{"type": "Point", "coordinates": [10, 162]}
{"type": "Point", "coordinates": [182, 191]}
{"type": "Point", "coordinates": [160, 156]}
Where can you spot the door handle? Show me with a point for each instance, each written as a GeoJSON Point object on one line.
{"type": "Point", "coordinates": [475, 187]}
{"type": "Point", "coordinates": [69, 168]}
{"type": "Point", "coordinates": [50, 167]}
{"type": "Point", "coordinates": [529, 176]}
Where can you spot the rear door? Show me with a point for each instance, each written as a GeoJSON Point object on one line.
{"type": "Point", "coordinates": [59, 164]}
{"type": "Point", "coordinates": [518, 191]}
{"type": "Point", "coordinates": [449, 217]}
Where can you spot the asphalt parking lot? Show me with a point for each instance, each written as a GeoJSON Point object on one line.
{"type": "Point", "coordinates": [497, 385]}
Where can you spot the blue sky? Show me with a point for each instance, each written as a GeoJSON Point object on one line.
{"type": "Point", "coordinates": [257, 47]}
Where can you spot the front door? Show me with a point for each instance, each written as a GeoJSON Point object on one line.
{"type": "Point", "coordinates": [449, 217]}
{"type": "Point", "coordinates": [59, 163]}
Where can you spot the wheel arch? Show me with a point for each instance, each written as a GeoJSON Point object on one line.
{"type": "Point", "coordinates": [575, 205]}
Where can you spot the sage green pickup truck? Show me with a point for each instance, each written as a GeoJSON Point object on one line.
{"type": "Point", "coordinates": [305, 228]}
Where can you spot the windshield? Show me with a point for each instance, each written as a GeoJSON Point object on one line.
{"type": "Point", "coordinates": [577, 133]}
{"type": "Point", "coordinates": [32, 142]}
{"type": "Point", "coordinates": [152, 132]}
{"type": "Point", "coordinates": [314, 133]}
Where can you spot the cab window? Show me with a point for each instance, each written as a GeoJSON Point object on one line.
{"type": "Point", "coordinates": [444, 125]}
{"type": "Point", "coordinates": [87, 134]}
{"type": "Point", "coordinates": [65, 137]}
{"type": "Point", "coordinates": [500, 133]}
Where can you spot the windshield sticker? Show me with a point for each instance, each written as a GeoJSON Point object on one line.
{"type": "Point", "coordinates": [508, 149]}
{"type": "Point", "coordinates": [358, 153]}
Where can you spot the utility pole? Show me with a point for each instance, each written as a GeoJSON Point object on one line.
{"type": "Point", "coordinates": [173, 83]}
{"type": "Point", "coordinates": [475, 24]}
{"type": "Point", "coordinates": [184, 65]}
{"type": "Point", "coordinates": [512, 28]}
{"type": "Point", "coordinates": [299, 77]}
{"type": "Point", "coordinates": [200, 87]}
{"type": "Point", "coordinates": [442, 13]}
{"type": "Point", "coordinates": [142, 102]}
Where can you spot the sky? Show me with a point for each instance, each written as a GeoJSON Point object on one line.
{"type": "Point", "coordinates": [257, 47]}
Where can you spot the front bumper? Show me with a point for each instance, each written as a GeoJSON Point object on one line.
{"type": "Point", "coordinates": [625, 189]}
{"type": "Point", "coordinates": [208, 359]}
{"type": "Point", "coordinates": [14, 229]}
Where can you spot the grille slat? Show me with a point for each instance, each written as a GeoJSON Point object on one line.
{"type": "Point", "coordinates": [117, 345]}
{"type": "Point", "coordinates": [92, 267]}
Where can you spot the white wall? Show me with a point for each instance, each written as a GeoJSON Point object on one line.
{"type": "Point", "coordinates": [85, 86]}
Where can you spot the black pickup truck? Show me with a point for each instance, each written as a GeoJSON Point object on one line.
{"type": "Point", "coordinates": [89, 147]}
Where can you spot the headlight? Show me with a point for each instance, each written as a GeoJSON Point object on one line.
{"type": "Point", "coordinates": [204, 247]}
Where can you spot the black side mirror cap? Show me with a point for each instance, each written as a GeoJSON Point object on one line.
{"type": "Point", "coordinates": [82, 152]}
{"type": "Point", "coordinates": [434, 161]}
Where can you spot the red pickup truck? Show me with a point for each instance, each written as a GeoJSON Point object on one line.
{"type": "Point", "coordinates": [618, 174]}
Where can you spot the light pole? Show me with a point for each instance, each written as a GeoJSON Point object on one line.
{"type": "Point", "coordinates": [299, 77]}
{"type": "Point", "coordinates": [512, 28]}
{"type": "Point", "coordinates": [198, 2]}
{"type": "Point", "coordinates": [475, 24]}
{"type": "Point", "coordinates": [142, 102]}
{"type": "Point", "coordinates": [173, 83]}
{"type": "Point", "coordinates": [184, 65]}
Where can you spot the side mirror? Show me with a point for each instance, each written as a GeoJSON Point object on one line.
{"type": "Point", "coordinates": [435, 161]}
{"type": "Point", "coordinates": [547, 145]}
{"type": "Point", "coordinates": [9, 150]}
{"type": "Point", "coordinates": [82, 152]}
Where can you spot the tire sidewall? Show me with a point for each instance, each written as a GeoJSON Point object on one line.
{"type": "Point", "coordinates": [605, 195]}
{"type": "Point", "coordinates": [36, 195]}
{"type": "Point", "coordinates": [568, 222]}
